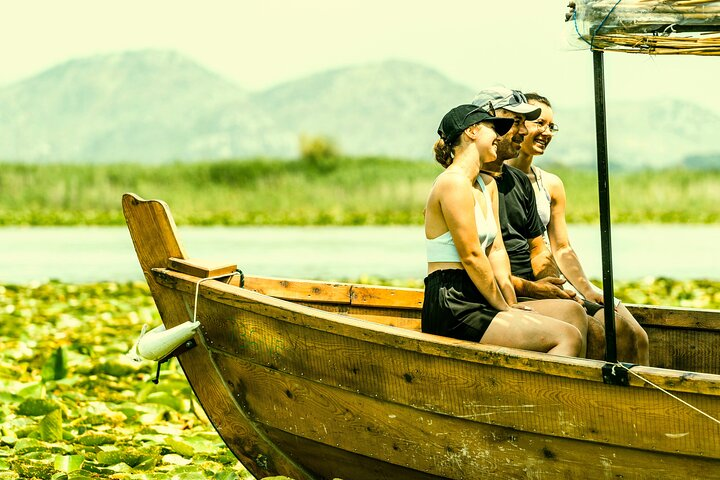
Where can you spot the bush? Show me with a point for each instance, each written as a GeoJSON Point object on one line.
{"type": "Point", "coordinates": [321, 153]}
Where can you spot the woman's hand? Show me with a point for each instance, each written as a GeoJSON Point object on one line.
{"type": "Point", "coordinates": [596, 297]}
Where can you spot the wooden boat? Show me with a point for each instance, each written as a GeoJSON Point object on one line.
{"type": "Point", "coordinates": [323, 380]}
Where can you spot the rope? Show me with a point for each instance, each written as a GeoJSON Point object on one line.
{"type": "Point", "coordinates": [197, 287]}
{"type": "Point", "coordinates": [618, 364]}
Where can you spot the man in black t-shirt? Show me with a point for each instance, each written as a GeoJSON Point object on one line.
{"type": "Point", "coordinates": [521, 227]}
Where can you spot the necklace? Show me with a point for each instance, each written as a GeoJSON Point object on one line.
{"type": "Point", "coordinates": [492, 174]}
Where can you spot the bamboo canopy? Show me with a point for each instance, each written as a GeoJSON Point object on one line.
{"type": "Point", "coordinates": [655, 27]}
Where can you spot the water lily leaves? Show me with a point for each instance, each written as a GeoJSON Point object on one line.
{"type": "Point", "coordinates": [55, 368]}
{"type": "Point", "coordinates": [26, 445]}
{"type": "Point", "coordinates": [119, 367]}
{"type": "Point", "coordinates": [35, 390]}
{"type": "Point", "coordinates": [175, 459]}
{"type": "Point", "coordinates": [167, 399]}
{"type": "Point", "coordinates": [94, 439]}
{"type": "Point", "coordinates": [180, 446]}
{"type": "Point", "coordinates": [68, 463]}
{"type": "Point", "coordinates": [51, 429]}
{"type": "Point", "coordinates": [37, 406]}
{"type": "Point", "coordinates": [226, 475]}
{"type": "Point", "coordinates": [137, 459]}
{"type": "Point", "coordinates": [32, 468]}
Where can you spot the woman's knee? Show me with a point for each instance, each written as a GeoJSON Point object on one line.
{"type": "Point", "coordinates": [572, 338]}
{"type": "Point", "coordinates": [579, 317]}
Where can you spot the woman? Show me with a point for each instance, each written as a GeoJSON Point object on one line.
{"type": "Point", "coordinates": [632, 341]}
{"type": "Point", "coordinates": [468, 293]}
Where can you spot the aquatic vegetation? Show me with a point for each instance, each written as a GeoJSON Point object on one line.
{"type": "Point", "coordinates": [74, 406]}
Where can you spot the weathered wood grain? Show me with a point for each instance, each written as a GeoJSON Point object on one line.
{"type": "Point", "coordinates": [200, 268]}
{"type": "Point", "coordinates": [443, 445]}
{"type": "Point", "coordinates": [351, 388]}
{"type": "Point", "coordinates": [495, 394]}
{"type": "Point", "coordinates": [154, 235]}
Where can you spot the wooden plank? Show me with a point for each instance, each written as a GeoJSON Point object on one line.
{"type": "Point", "coordinates": [366, 295]}
{"type": "Point", "coordinates": [327, 461]}
{"type": "Point", "coordinates": [522, 360]}
{"type": "Point", "coordinates": [394, 317]}
{"type": "Point", "coordinates": [201, 268]}
{"type": "Point", "coordinates": [333, 292]}
{"type": "Point", "coordinates": [296, 290]}
{"type": "Point", "coordinates": [685, 349]}
{"type": "Point", "coordinates": [441, 445]}
{"type": "Point", "coordinates": [677, 317]}
{"type": "Point", "coordinates": [637, 417]}
{"type": "Point", "coordinates": [154, 236]}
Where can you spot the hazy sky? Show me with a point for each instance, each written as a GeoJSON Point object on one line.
{"type": "Point", "coordinates": [520, 43]}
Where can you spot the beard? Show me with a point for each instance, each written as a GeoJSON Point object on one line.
{"type": "Point", "coordinates": [508, 149]}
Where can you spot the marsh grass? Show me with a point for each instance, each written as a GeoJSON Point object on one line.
{"type": "Point", "coordinates": [355, 191]}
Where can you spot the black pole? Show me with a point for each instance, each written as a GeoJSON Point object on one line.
{"type": "Point", "coordinates": [604, 197]}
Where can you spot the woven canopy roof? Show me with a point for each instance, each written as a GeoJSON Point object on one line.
{"type": "Point", "coordinates": [655, 27]}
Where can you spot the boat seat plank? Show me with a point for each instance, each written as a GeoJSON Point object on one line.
{"type": "Point", "coordinates": [294, 290]}
{"type": "Point", "coordinates": [200, 268]}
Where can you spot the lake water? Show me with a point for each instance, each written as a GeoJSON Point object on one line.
{"type": "Point", "coordinates": [89, 254]}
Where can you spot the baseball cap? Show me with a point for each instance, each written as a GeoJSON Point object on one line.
{"type": "Point", "coordinates": [511, 100]}
{"type": "Point", "coordinates": [461, 117]}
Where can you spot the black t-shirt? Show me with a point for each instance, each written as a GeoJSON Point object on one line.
{"type": "Point", "coordinates": [519, 219]}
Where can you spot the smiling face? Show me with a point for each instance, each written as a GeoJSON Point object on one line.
{"type": "Point", "coordinates": [486, 140]}
{"type": "Point", "coordinates": [508, 145]}
{"type": "Point", "coordinates": [539, 131]}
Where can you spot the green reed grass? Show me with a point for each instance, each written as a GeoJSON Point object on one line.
{"type": "Point", "coordinates": [341, 191]}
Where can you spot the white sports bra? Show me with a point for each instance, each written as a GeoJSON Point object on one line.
{"type": "Point", "coordinates": [442, 248]}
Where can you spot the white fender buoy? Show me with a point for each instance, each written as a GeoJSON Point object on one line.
{"type": "Point", "coordinates": [159, 342]}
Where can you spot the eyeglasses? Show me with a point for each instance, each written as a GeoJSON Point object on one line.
{"type": "Point", "coordinates": [552, 127]}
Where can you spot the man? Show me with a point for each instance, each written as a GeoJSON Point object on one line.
{"type": "Point", "coordinates": [522, 229]}
{"type": "Point", "coordinates": [535, 273]}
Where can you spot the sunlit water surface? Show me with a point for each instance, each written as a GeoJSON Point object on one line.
{"type": "Point", "coordinates": [89, 254]}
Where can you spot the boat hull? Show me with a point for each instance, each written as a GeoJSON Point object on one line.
{"type": "Point", "coordinates": [338, 391]}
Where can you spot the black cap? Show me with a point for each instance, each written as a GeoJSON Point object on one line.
{"type": "Point", "coordinates": [463, 116]}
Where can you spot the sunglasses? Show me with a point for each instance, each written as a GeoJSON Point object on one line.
{"type": "Point", "coordinates": [487, 108]}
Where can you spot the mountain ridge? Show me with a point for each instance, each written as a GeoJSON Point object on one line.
{"type": "Point", "coordinates": [161, 106]}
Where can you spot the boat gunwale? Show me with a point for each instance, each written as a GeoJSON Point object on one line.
{"type": "Point", "coordinates": [428, 344]}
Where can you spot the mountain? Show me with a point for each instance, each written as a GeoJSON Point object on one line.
{"type": "Point", "coordinates": [391, 108]}
{"type": "Point", "coordinates": [145, 106]}
{"type": "Point", "coordinates": [159, 106]}
{"type": "Point", "coordinates": [646, 134]}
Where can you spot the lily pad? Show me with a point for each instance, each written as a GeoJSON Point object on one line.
{"type": "Point", "coordinates": [69, 463]}
{"type": "Point", "coordinates": [93, 439]}
{"type": "Point", "coordinates": [26, 445]}
{"type": "Point", "coordinates": [37, 406]}
{"type": "Point", "coordinates": [55, 368]}
{"type": "Point", "coordinates": [51, 429]}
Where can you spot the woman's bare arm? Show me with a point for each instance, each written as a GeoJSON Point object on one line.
{"type": "Point", "coordinates": [457, 204]}
{"type": "Point", "coordinates": [563, 252]}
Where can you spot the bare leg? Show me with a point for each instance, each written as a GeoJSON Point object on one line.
{"type": "Point", "coordinates": [596, 339]}
{"type": "Point", "coordinates": [532, 331]}
{"type": "Point", "coordinates": [567, 311]}
{"type": "Point", "coordinates": [631, 340]}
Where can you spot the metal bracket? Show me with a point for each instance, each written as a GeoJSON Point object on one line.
{"type": "Point", "coordinates": [189, 345]}
{"type": "Point", "coordinates": [613, 374]}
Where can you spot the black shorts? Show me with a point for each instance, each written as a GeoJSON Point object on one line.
{"type": "Point", "coordinates": [591, 307]}
{"type": "Point", "coordinates": [453, 306]}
